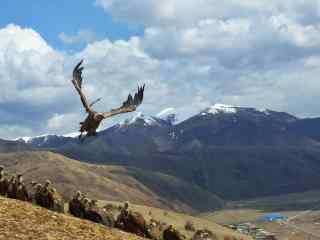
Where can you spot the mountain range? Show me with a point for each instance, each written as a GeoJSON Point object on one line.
{"type": "Point", "coordinates": [234, 152]}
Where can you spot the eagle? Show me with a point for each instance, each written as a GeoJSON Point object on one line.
{"type": "Point", "coordinates": [93, 119]}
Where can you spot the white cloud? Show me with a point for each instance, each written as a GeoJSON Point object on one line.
{"type": "Point", "coordinates": [11, 38]}
{"type": "Point", "coordinates": [82, 36]}
{"type": "Point", "coordinates": [312, 62]}
{"type": "Point", "coordinates": [192, 54]}
{"type": "Point", "coordinates": [62, 121]}
{"type": "Point", "coordinates": [188, 12]}
{"type": "Point", "coordinates": [12, 131]}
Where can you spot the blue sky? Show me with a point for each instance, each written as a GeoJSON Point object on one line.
{"type": "Point", "coordinates": [191, 54]}
{"type": "Point", "coordinates": [50, 18]}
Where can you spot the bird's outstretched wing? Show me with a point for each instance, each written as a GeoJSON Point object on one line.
{"type": "Point", "coordinates": [77, 82]}
{"type": "Point", "coordinates": [129, 105]}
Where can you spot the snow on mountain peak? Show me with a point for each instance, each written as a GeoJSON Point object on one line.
{"type": "Point", "coordinates": [46, 137]}
{"type": "Point", "coordinates": [72, 135]}
{"type": "Point", "coordinates": [220, 108]}
{"type": "Point", "coordinates": [148, 121]}
{"type": "Point", "coordinates": [23, 139]}
{"type": "Point", "coordinates": [168, 114]}
{"type": "Point", "coordinates": [264, 110]}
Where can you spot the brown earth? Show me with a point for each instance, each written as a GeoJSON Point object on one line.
{"type": "Point", "coordinates": [21, 220]}
{"type": "Point", "coordinates": [115, 183]}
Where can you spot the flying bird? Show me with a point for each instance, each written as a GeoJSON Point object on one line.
{"type": "Point", "coordinates": [93, 120]}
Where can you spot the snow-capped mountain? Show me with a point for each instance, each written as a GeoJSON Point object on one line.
{"type": "Point", "coordinates": [219, 108]}
{"type": "Point", "coordinates": [165, 117]}
{"type": "Point", "coordinates": [139, 120]}
{"type": "Point", "coordinates": [49, 141]}
{"type": "Point", "coordinates": [223, 109]}
{"type": "Point", "coordinates": [221, 124]}
{"type": "Point", "coordinates": [224, 149]}
{"type": "Point", "coordinates": [216, 124]}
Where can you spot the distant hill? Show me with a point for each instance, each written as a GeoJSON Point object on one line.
{"type": "Point", "coordinates": [110, 182]}
{"type": "Point", "coordinates": [234, 152]}
{"type": "Point", "coordinates": [13, 146]}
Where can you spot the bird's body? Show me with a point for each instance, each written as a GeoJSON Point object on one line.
{"type": "Point", "coordinates": [94, 119]}
{"type": "Point", "coordinates": [91, 124]}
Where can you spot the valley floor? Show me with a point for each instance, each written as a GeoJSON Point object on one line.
{"type": "Point", "coordinates": [302, 210]}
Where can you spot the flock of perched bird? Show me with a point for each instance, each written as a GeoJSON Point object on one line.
{"type": "Point", "coordinates": [45, 195]}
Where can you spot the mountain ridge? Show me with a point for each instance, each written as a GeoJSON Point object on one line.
{"type": "Point", "coordinates": [243, 143]}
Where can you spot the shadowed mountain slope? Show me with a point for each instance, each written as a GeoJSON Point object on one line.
{"type": "Point", "coordinates": [234, 152]}
{"type": "Point", "coordinates": [110, 182]}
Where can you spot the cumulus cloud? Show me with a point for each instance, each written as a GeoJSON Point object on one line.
{"type": "Point", "coordinates": [192, 54]}
{"type": "Point", "coordinates": [82, 36]}
{"type": "Point", "coordinates": [249, 52]}
{"type": "Point", "coordinates": [187, 12]}
{"type": "Point", "coordinates": [62, 121]}
{"type": "Point", "coordinates": [38, 93]}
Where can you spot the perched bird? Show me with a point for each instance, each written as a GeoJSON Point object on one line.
{"type": "Point", "coordinates": [12, 187]}
{"type": "Point", "coordinates": [37, 196]}
{"type": "Point", "coordinates": [56, 198]}
{"type": "Point", "coordinates": [47, 200]}
{"type": "Point", "coordinates": [96, 214]}
{"type": "Point", "coordinates": [172, 234]}
{"type": "Point", "coordinates": [155, 230]}
{"type": "Point", "coordinates": [22, 192]}
{"type": "Point", "coordinates": [132, 222]}
{"type": "Point", "coordinates": [93, 120]}
{"type": "Point", "coordinates": [76, 205]}
{"type": "Point", "coordinates": [92, 212]}
{"type": "Point", "coordinates": [3, 182]}
{"type": "Point", "coordinates": [108, 218]}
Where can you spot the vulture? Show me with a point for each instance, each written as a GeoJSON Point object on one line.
{"type": "Point", "coordinates": [93, 119]}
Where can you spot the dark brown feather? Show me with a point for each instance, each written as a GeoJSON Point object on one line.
{"type": "Point", "coordinates": [77, 82]}
{"type": "Point", "coordinates": [129, 105]}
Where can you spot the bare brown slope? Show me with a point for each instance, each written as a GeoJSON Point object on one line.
{"type": "Point", "coordinates": [109, 182]}
{"type": "Point", "coordinates": [178, 220]}
{"type": "Point", "coordinates": [21, 220]}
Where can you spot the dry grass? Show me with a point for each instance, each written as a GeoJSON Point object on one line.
{"type": "Point", "coordinates": [97, 181]}
{"type": "Point", "coordinates": [178, 220]}
{"type": "Point", "coordinates": [305, 224]}
{"type": "Point", "coordinates": [229, 216]}
{"type": "Point", "coordinates": [22, 221]}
